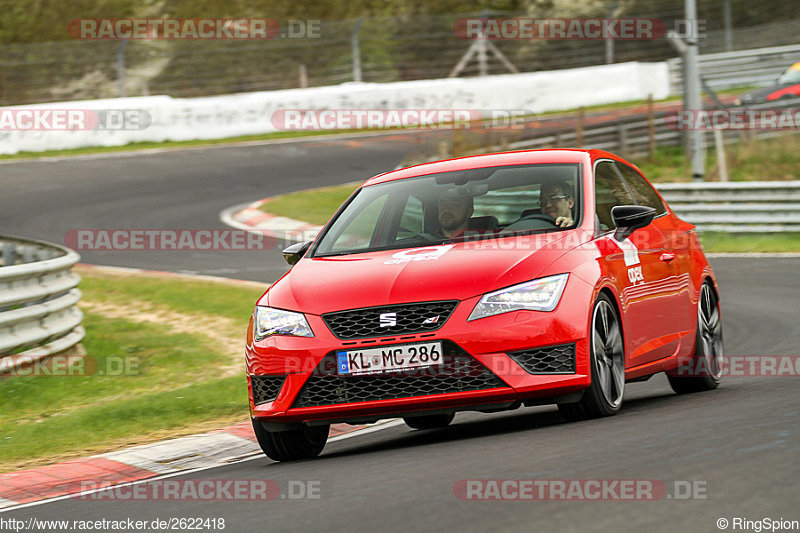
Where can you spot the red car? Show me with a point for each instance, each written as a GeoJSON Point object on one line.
{"type": "Point", "coordinates": [786, 86]}
{"type": "Point", "coordinates": [482, 283]}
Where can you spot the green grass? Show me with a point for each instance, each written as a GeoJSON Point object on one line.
{"type": "Point", "coordinates": [314, 206]}
{"type": "Point", "coordinates": [741, 242]}
{"type": "Point", "coordinates": [116, 422]}
{"type": "Point", "coordinates": [185, 296]}
{"type": "Point", "coordinates": [777, 158]}
{"type": "Point", "coordinates": [166, 144]}
{"type": "Point", "coordinates": [174, 383]}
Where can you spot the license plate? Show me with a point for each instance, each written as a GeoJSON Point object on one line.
{"type": "Point", "coordinates": [389, 358]}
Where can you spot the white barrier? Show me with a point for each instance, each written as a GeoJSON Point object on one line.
{"type": "Point", "coordinates": [38, 297]}
{"type": "Point", "coordinates": [218, 117]}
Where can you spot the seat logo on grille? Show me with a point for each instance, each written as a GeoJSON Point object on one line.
{"type": "Point", "coordinates": [388, 320]}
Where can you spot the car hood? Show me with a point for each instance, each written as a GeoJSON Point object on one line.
{"type": "Point", "coordinates": [446, 272]}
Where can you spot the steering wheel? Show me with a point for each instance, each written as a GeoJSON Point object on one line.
{"type": "Point", "coordinates": [422, 238]}
{"type": "Point", "coordinates": [536, 216]}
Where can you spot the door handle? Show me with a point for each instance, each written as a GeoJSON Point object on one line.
{"type": "Point", "coordinates": [667, 257]}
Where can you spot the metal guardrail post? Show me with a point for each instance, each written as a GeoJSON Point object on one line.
{"type": "Point", "coordinates": [9, 251]}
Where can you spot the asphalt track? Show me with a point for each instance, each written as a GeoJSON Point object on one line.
{"type": "Point", "coordinates": [741, 442]}
{"type": "Point", "coordinates": [181, 190]}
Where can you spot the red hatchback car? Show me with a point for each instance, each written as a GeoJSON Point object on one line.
{"type": "Point", "coordinates": [482, 283]}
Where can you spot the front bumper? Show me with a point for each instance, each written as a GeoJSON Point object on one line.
{"type": "Point", "coordinates": [293, 361]}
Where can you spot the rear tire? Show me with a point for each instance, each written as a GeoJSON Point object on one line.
{"type": "Point", "coordinates": [429, 421]}
{"type": "Point", "coordinates": [293, 445]}
{"type": "Point", "coordinates": [607, 361]}
{"type": "Point", "coordinates": [706, 364]}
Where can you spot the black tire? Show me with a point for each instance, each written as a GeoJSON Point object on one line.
{"type": "Point", "coordinates": [293, 445]}
{"type": "Point", "coordinates": [607, 362]}
{"type": "Point", "coordinates": [706, 364]}
{"type": "Point", "coordinates": [429, 421]}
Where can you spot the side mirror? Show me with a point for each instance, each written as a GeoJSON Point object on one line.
{"type": "Point", "coordinates": [629, 218]}
{"type": "Point", "coordinates": [293, 253]}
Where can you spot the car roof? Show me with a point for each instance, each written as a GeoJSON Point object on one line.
{"type": "Point", "coordinates": [521, 157]}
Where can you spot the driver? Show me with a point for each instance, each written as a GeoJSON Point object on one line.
{"type": "Point", "coordinates": [556, 200]}
{"type": "Point", "coordinates": [455, 209]}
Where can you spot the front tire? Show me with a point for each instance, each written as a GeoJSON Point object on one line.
{"type": "Point", "coordinates": [607, 361]}
{"type": "Point", "coordinates": [293, 445]}
{"type": "Point", "coordinates": [429, 421]}
{"type": "Point", "coordinates": [706, 364]}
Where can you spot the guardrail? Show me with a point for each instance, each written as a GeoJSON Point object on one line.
{"type": "Point", "coordinates": [742, 68]}
{"type": "Point", "coordinates": [635, 134]}
{"type": "Point", "coordinates": [736, 207]}
{"type": "Point", "coordinates": [38, 297]}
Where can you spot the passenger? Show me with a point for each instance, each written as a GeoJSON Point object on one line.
{"type": "Point", "coordinates": [556, 200]}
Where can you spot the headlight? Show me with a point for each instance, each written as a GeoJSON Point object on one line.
{"type": "Point", "coordinates": [537, 295]}
{"type": "Point", "coordinates": [269, 321]}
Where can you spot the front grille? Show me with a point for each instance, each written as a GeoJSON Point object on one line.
{"type": "Point", "coordinates": [266, 388]}
{"type": "Point", "coordinates": [549, 360]}
{"type": "Point", "coordinates": [459, 372]}
{"type": "Point", "coordinates": [407, 318]}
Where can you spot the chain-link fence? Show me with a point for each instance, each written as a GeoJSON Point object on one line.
{"type": "Point", "coordinates": [390, 49]}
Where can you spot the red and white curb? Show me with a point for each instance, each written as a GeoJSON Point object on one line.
{"type": "Point", "coordinates": [251, 218]}
{"type": "Point", "coordinates": [146, 462]}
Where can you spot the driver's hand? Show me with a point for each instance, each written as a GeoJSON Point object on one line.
{"type": "Point", "coordinates": [564, 222]}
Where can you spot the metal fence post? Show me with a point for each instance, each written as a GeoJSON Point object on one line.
{"type": "Point", "coordinates": [622, 138]}
{"type": "Point", "coordinates": [121, 67]}
{"type": "Point", "coordinates": [355, 49]}
{"type": "Point", "coordinates": [726, 15]}
{"type": "Point", "coordinates": [693, 102]}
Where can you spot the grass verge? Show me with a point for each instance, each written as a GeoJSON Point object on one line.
{"type": "Point", "coordinates": [144, 379]}
{"type": "Point", "coordinates": [314, 206]}
{"type": "Point", "coordinates": [132, 147]}
{"type": "Point", "coordinates": [719, 242]}
{"type": "Point", "coordinates": [777, 158]}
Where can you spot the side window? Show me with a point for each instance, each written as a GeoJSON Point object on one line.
{"type": "Point", "coordinates": [411, 220]}
{"type": "Point", "coordinates": [358, 232]}
{"type": "Point", "coordinates": [642, 191]}
{"type": "Point", "coordinates": [609, 191]}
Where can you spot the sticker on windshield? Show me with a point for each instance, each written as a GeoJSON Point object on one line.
{"type": "Point", "coordinates": [418, 254]}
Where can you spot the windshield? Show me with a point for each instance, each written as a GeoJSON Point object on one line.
{"type": "Point", "coordinates": [792, 75]}
{"type": "Point", "coordinates": [450, 206]}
